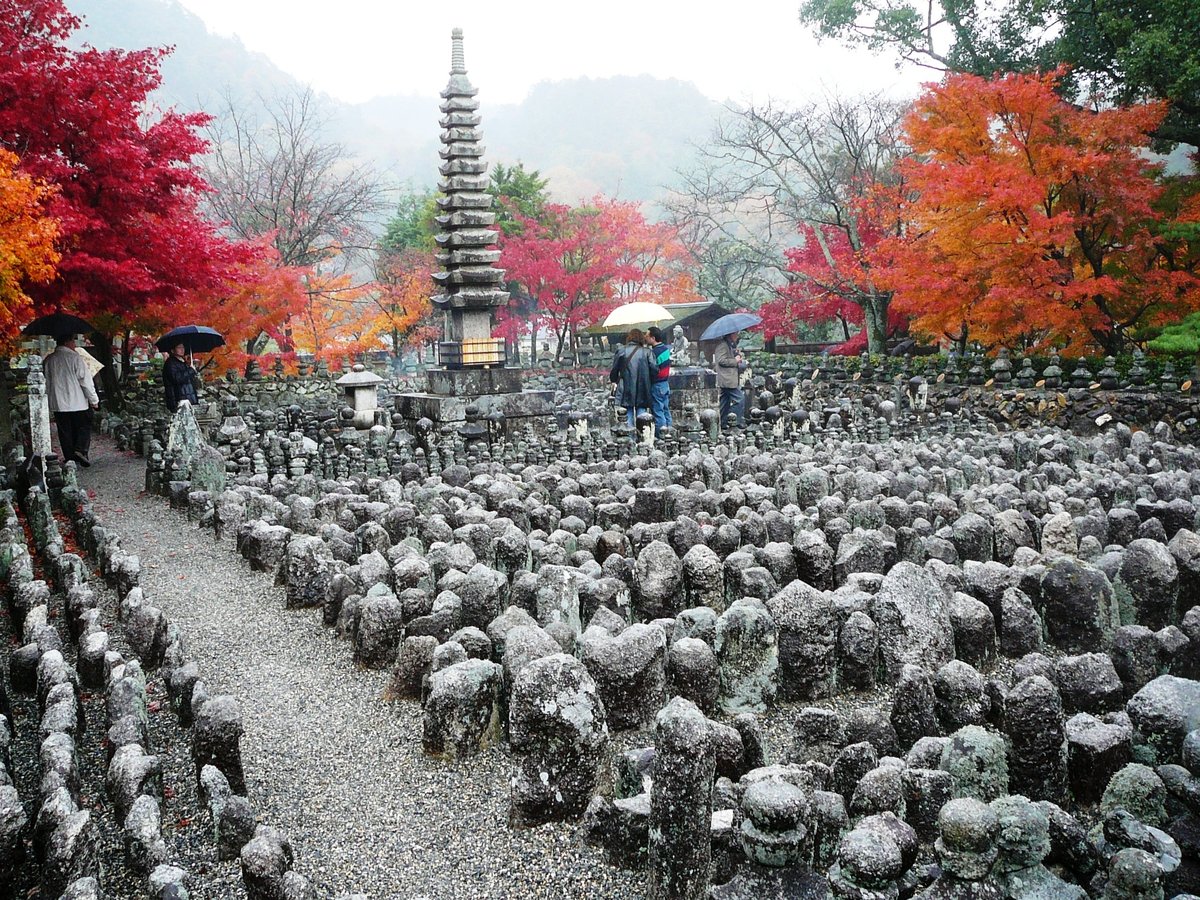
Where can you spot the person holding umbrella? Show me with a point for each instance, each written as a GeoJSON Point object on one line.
{"type": "Point", "coordinates": [179, 376]}
{"type": "Point", "coordinates": [729, 362]}
{"type": "Point", "coordinates": [632, 375]}
{"type": "Point", "coordinates": [72, 398]}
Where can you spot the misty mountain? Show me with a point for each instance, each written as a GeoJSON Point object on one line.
{"type": "Point", "coordinates": [202, 67]}
{"type": "Point", "coordinates": [622, 136]}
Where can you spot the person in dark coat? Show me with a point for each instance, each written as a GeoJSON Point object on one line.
{"type": "Point", "coordinates": [179, 379]}
{"type": "Point", "coordinates": [632, 376]}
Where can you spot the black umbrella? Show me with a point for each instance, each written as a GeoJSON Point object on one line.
{"type": "Point", "coordinates": [57, 324]}
{"type": "Point", "coordinates": [195, 339]}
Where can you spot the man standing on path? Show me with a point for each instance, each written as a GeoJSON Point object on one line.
{"type": "Point", "coordinates": [660, 391]}
{"type": "Point", "coordinates": [72, 399]}
{"type": "Point", "coordinates": [730, 364]}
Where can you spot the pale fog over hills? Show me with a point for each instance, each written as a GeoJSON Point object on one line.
{"type": "Point", "coordinates": [623, 136]}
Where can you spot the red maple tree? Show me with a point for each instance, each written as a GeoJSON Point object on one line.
{"type": "Point", "coordinates": [575, 264]}
{"type": "Point", "coordinates": [831, 280]}
{"type": "Point", "coordinates": [132, 238]}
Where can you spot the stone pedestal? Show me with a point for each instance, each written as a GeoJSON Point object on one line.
{"type": "Point", "coordinates": [695, 385]}
{"type": "Point", "coordinates": [473, 382]}
{"type": "Point", "coordinates": [489, 390]}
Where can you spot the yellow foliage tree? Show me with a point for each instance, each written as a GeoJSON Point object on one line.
{"type": "Point", "coordinates": [27, 236]}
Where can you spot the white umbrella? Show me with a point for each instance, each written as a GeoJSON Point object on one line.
{"type": "Point", "coordinates": [640, 313]}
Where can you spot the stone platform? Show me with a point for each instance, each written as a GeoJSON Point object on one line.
{"type": "Point", "coordinates": [519, 408]}
{"type": "Point", "coordinates": [694, 385]}
{"type": "Point", "coordinates": [474, 382]}
{"type": "Point", "coordinates": [442, 409]}
{"type": "Point", "coordinates": [451, 391]}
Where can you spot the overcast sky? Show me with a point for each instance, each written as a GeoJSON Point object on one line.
{"type": "Point", "coordinates": [740, 50]}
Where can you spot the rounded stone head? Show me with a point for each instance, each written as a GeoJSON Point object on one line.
{"type": "Point", "coordinates": [774, 825]}
{"type": "Point", "coordinates": [871, 857]}
{"type": "Point", "coordinates": [1134, 874]}
{"type": "Point", "coordinates": [967, 846]}
{"type": "Point", "coordinates": [1024, 836]}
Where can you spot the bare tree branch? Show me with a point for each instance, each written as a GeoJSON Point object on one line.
{"type": "Point", "coordinates": [767, 169]}
{"type": "Point", "coordinates": [274, 172]}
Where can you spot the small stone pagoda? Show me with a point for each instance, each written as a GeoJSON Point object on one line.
{"type": "Point", "coordinates": [472, 365]}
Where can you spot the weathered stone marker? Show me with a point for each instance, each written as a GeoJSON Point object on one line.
{"type": "Point", "coordinates": [685, 764]}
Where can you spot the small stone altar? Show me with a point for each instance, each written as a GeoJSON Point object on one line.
{"type": "Point", "coordinates": [362, 394]}
{"type": "Point", "coordinates": [695, 385]}
{"type": "Point", "coordinates": [473, 370]}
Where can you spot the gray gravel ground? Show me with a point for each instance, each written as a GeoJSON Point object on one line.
{"type": "Point", "coordinates": [339, 770]}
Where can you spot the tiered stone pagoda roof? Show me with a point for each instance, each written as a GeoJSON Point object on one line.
{"type": "Point", "coordinates": [470, 279]}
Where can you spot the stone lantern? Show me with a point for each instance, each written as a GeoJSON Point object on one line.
{"type": "Point", "coordinates": [362, 394]}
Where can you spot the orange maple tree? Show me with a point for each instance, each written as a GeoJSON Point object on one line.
{"type": "Point", "coordinates": [27, 236]}
{"type": "Point", "coordinates": [260, 297]}
{"type": "Point", "coordinates": [402, 314]}
{"type": "Point", "coordinates": [1029, 220]}
{"type": "Point", "coordinates": [662, 269]}
{"type": "Point", "coordinates": [335, 316]}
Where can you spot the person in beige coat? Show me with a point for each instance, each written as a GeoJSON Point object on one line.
{"type": "Point", "coordinates": [730, 364]}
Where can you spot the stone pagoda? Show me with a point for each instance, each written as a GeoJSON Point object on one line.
{"type": "Point", "coordinates": [472, 286]}
{"type": "Point", "coordinates": [472, 367]}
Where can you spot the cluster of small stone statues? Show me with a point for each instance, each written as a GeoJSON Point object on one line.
{"type": "Point", "coordinates": [1012, 615]}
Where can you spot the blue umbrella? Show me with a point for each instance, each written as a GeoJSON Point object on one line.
{"type": "Point", "coordinates": [729, 324]}
{"type": "Point", "coordinates": [195, 339]}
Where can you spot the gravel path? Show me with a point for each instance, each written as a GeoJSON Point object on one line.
{"type": "Point", "coordinates": [340, 771]}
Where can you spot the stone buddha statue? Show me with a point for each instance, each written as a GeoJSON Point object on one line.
{"type": "Point", "coordinates": [680, 354]}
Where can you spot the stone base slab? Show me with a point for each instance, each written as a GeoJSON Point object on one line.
{"type": "Point", "coordinates": [473, 382]}
{"type": "Point", "coordinates": [446, 409]}
{"type": "Point", "coordinates": [692, 378]}
{"type": "Point", "coordinates": [703, 398]}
